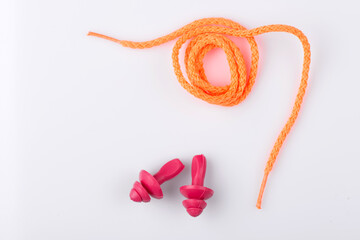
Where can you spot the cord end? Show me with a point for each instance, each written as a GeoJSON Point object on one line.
{"type": "Point", "coordinates": [262, 188]}
{"type": "Point", "coordinates": [105, 37]}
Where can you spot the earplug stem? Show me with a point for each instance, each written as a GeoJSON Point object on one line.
{"type": "Point", "coordinates": [198, 169]}
{"type": "Point", "coordinates": [169, 171]}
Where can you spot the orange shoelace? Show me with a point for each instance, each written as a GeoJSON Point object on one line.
{"type": "Point", "coordinates": [208, 33]}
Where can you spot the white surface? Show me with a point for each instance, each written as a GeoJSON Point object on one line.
{"type": "Point", "coordinates": [81, 116]}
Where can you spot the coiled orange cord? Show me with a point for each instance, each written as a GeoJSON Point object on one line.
{"type": "Point", "coordinates": [208, 33]}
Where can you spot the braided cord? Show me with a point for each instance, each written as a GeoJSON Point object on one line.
{"type": "Point", "coordinates": [208, 33]}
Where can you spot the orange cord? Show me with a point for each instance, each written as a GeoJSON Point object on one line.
{"type": "Point", "coordinates": [208, 33]}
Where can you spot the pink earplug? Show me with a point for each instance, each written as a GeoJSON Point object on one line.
{"type": "Point", "coordinates": [196, 193]}
{"type": "Point", "coordinates": [150, 185]}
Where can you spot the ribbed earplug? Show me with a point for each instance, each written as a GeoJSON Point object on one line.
{"type": "Point", "coordinates": [149, 185]}
{"type": "Point", "coordinates": [196, 193]}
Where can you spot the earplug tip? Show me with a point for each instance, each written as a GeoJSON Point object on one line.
{"type": "Point", "coordinates": [134, 195]}
{"type": "Point", "coordinates": [194, 212]}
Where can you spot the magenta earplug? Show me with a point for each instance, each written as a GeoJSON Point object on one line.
{"type": "Point", "coordinates": [196, 193]}
{"type": "Point", "coordinates": [149, 185]}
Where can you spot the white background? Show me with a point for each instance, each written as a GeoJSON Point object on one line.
{"type": "Point", "coordinates": [81, 116]}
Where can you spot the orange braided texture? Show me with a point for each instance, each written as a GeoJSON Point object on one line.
{"type": "Point", "coordinates": [208, 33]}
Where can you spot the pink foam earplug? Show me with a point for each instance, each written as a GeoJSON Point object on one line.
{"type": "Point", "coordinates": [196, 193]}
{"type": "Point", "coordinates": [149, 185]}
